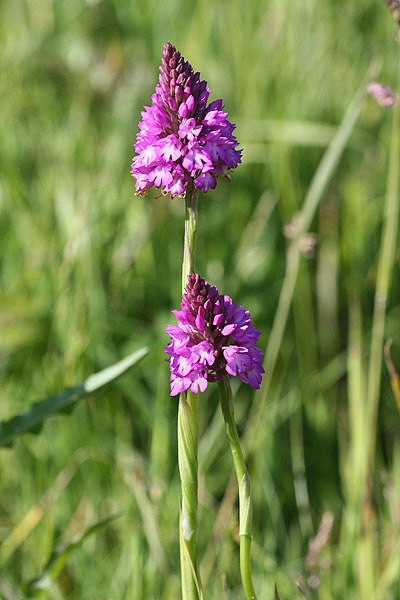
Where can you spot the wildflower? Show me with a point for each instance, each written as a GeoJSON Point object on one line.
{"type": "Point", "coordinates": [181, 138]}
{"type": "Point", "coordinates": [384, 96]}
{"type": "Point", "coordinates": [214, 337]}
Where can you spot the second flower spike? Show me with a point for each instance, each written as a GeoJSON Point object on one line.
{"type": "Point", "coordinates": [182, 140]}
{"type": "Point", "coordinates": [214, 337]}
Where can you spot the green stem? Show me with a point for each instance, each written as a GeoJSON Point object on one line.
{"type": "Point", "coordinates": [245, 505]}
{"type": "Point", "coordinates": [385, 266]}
{"type": "Point", "coordinates": [187, 457]}
{"type": "Point", "coordinates": [188, 436]}
{"type": "Point", "coordinates": [191, 201]}
{"type": "Point", "coordinates": [314, 195]}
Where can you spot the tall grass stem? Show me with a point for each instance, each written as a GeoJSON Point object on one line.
{"type": "Point", "coordinates": [385, 266]}
{"type": "Point", "coordinates": [315, 193]}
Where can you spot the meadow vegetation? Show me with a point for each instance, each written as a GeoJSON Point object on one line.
{"type": "Point", "coordinates": [89, 273]}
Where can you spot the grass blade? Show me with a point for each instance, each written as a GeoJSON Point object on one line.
{"type": "Point", "coordinates": [318, 186]}
{"type": "Point", "coordinates": [32, 420]}
{"type": "Point", "coordinates": [386, 261]}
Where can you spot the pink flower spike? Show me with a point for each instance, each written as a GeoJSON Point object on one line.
{"type": "Point", "coordinates": [214, 338]}
{"type": "Point", "coordinates": [384, 96]}
{"type": "Point", "coordinates": [178, 117]}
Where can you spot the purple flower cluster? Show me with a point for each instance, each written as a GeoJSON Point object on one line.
{"type": "Point", "coordinates": [213, 337]}
{"type": "Point", "coordinates": [384, 96]}
{"type": "Point", "coordinates": [181, 139]}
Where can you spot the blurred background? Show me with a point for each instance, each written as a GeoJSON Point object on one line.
{"type": "Point", "coordinates": [89, 272]}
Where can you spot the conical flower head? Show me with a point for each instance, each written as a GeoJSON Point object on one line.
{"type": "Point", "coordinates": [182, 140]}
{"type": "Point", "coordinates": [214, 337]}
{"type": "Point", "coordinates": [181, 89]}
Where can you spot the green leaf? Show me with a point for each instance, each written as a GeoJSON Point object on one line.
{"type": "Point", "coordinates": [33, 419]}
{"type": "Point", "coordinates": [58, 558]}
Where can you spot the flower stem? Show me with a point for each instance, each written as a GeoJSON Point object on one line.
{"type": "Point", "coordinates": [191, 201]}
{"type": "Point", "coordinates": [245, 505]}
{"type": "Point", "coordinates": [188, 436]}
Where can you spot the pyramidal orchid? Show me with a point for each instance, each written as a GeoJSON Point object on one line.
{"type": "Point", "coordinates": [214, 337]}
{"type": "Point", "coordinates": [182, 140]}
{"type": "Point", "coordinates": [183, 145]}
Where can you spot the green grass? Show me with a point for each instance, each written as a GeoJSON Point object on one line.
{"type": "Point", "coordinates": [90, 273]}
